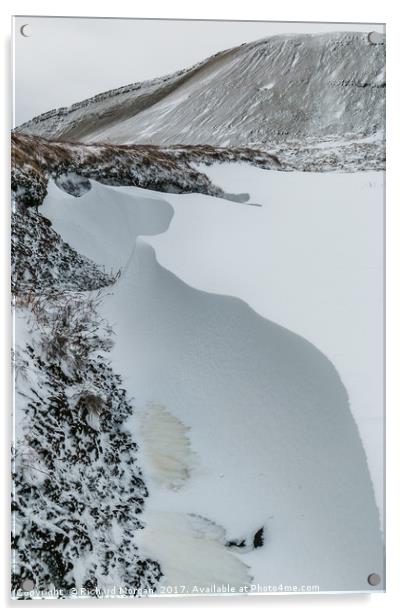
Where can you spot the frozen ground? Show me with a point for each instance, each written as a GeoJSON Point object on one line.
{"type": "Point", "coordinates": [269, 421]}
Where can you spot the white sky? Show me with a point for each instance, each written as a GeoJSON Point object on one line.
{"type": "Point", "coordinates": [65, 60]}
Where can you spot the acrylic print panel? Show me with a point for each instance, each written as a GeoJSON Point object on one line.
{"type": "Point", "coordinates": [198, 303]}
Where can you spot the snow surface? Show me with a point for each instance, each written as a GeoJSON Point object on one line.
{"type": "Point", "coordinates": [192, 551]}
{"type": "Point", "coordinates": [311, 259]}
{"type": "Point", "coordinates": [83, 223]}
{"type": "Point", "coordinates": [166, 446]}
{"type": "Point", "coordinates": [277, 89]}
{"type": "Point", "coordinates": [269, 417]}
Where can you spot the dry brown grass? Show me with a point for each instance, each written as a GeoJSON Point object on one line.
{"type": "Point", "coordinates": [44, 155]}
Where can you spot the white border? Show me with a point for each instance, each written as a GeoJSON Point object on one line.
{"type": "Point", "coordinates": [306, 10]}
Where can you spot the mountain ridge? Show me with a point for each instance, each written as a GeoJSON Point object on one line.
{"type": "Point", "coordinates": [316, 46]}
{"type": "Point", "coordinates": [317, 101]}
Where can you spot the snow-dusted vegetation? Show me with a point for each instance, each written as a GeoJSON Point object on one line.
{"type": "Point", "coordinates": [191, 410]}
{"type": "Point", "coordinates": [35, 160]}
{"type": "Point", "coordinates": [315, 100]}
{"type": "Point", "coordinates": [243, 406]}
{"type": "Point", "coordinates": [78, 489]}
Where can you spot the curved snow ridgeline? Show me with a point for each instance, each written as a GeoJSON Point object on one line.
{"type": "Point", "coordinates": [278, 455]}
{"type": "Point", "coordinates": [315, 100]}
{"type": "Point", "coordinates": [71, 165]}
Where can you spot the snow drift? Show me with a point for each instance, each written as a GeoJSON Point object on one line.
{"type": "Point", "coordinates": [270, 422]}
{"type": "Point", "coordinates": [310, 259]}
{"type": "Point", "coordinates": [269, 418]}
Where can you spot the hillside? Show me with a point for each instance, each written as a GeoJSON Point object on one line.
{"type": "Point", "coordinates": [308, 98]}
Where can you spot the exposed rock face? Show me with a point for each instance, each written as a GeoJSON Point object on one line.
{"type": "Point", "coordinates": [296, 94]}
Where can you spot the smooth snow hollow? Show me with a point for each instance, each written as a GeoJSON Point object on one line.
{"type": "Point", "coordinates": [209, 316]}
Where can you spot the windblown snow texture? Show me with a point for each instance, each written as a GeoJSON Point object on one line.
{"type": "Point", "coordinates": [256, 472]}
{"type": "Point", "coordinates": [269, 417]}
{"type": "Point", "coordinates": [77, 486]}
{"type": "Point", "coordinates": [317, 101]}
{"type": "Point", "coordinates": [78, 489]}
{"type": "Point", "coordinates": [268, 412]}
{"type": "Point", "coordinates": [42, 262]}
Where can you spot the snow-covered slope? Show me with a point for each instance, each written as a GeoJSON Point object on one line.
{"type": "Point", "coordinates": [85, 222]}
{"type": "Point", "coordinates": [270, 423]}
{"type": "Point", "coordinates": [78, 490]}
{"type": "Point", "coordinates": [288, 92]}
{"type": "Point", "coordinates": [233, 432]}
{"type": "Point", "coordinates": [310, 259]}
{"type": "Point", "coordinates": [263, 410]}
